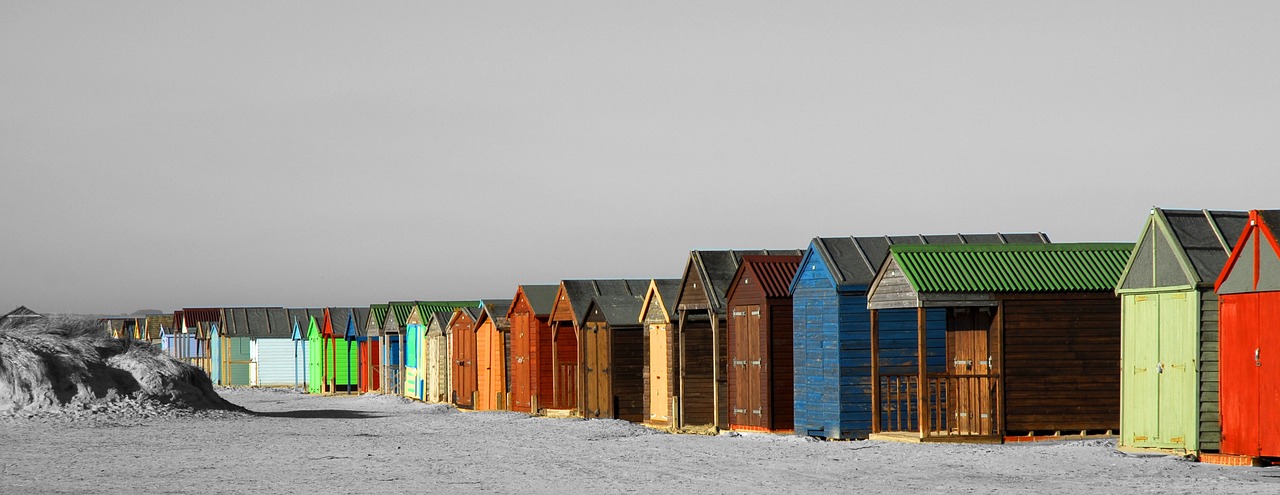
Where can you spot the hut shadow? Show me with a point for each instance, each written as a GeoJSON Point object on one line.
{"type": "Point", "coordinates": [320, 414]}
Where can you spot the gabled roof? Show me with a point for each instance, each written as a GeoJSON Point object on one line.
{"type": "Point", "coordinates": [541, 298]}
{"type": "Point", "coordinates": [495, 310]}
{"type": "Point", "coordinates": [617, 310]}
{"type": "Point", "coordinates": [1012, 267]}
{"type": "Point", "coordinates": [426, 308]}
{"type": "Point", "coordinates": [378, 312]}
{"type": "Point", "coordinates": [245, 322]}
{"type": "Point", "coordinates": [579, 293]}
{"type": "Point", "coordinates": [1182, 248]}
{"type": "Point", "coordinates": [460, 313]}
{"type": "Point", "coordinates": [854, 261]}
{"type": "Point", "coordinates": [400, 311]}
{"type": "Point", "coordinates": [664, 290]}
{"type": "Point", "coordinates": [439, 320]}
{"type": "Point", "coordinates": [715, 270]}
{"type": "Point", "coordinates": [772, 273]}
{"type": "Point", "coordinates": [1254, 264]}
{"type": "Point", "coordinates": [19, 316]}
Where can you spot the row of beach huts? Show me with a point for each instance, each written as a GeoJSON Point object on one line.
{"type": "Point", "coordinates": [1172, 342]}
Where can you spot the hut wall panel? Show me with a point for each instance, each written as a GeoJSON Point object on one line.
{"type": "Point", "coordinates": [276, 363]}
{"type": "Point", "coordinates": [1061, 362]}
{"type": "Point", "coordinates": [781, 367]}
{"type": "Point", "coordinates": [1210, 422]}
{"type": "Point", "coordinates": [343, 365]}
{"type": "Point", "coordinates": [627, 370]}
{"type": "Point", "coordinates": [544, 380]}
{"type": "Point", "coordinates": [236, 371]}
{"type": "Point", "coordinates": [566, 353]}
{"type": "Point", "coordinates": [437, 367]}
{"type": "Point", "coordinates": [698, 384]}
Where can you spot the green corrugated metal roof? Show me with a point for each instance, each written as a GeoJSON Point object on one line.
{"type": "Point", "coordinates": [401, 311]}
{"type": "Point", "coordinates": [1013, 267]}
{"type": "Point", "coordinates": [426, 308]}
{"type": "Point", "coordinates": [379, 312]}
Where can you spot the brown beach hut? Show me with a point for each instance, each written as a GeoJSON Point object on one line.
{"type": "Point", "coordinates": [760, 345]}
{"type": "Point", "coordinates": [701, 335]}
{"type": "Point", "coordinates": [1032, 339]}
{"type": "Point", "coordinates": [530, 359]}
{"type": "Point", "coordinates": [462, 345]}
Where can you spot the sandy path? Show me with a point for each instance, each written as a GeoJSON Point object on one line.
{"type": "Point", "coordinates": [307, 444]}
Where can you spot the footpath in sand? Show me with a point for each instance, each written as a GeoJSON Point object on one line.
{"type": "Point", "coordinates": [372, 444]}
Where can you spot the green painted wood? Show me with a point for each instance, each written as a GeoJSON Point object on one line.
{"type": "Point", "coordinates": [315, 360]}
{"type": "Point", "coordinates": [1160, 397]}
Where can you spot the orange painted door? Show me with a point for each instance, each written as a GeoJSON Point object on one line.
{"type": "Point", "coordinates": [521, 364]}
{"type": "Point", "coordinates": [464, 367]}
{"type": "Point", "coordinates": [484, 368]}
{"type": "Point", "coordinates": [1238, 372]}
{"type": "Point", "coordinates": [659, 398]}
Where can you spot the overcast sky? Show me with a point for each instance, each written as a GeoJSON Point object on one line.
{"type": "Point", "coordinates": [169, 154]}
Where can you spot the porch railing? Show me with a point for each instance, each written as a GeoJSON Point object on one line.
{"type": "Point", "coordinates": [954, 405]}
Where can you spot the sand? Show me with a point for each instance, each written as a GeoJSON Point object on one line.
{"type": "Point", "coordinates": [299, 443]}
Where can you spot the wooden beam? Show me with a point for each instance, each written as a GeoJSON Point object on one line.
{"type": "Point", "coordinates": [922, 386]}
{"type": "Point", "coordinates": [875, 371]}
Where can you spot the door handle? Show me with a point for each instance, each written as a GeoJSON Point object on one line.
{"type": "Point", "coordinates": [1257, 356]}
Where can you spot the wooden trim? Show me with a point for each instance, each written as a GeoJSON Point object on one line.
{"type": "Point", "coordinates": [922, 395]}
{"type": "Point", "coordinates": [715, 371]}
{"type": "Point", "coordinates": [998, 323]}
{"type": "Point", "coordinates": [875, 371]}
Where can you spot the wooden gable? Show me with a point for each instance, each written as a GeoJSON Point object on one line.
{"type": "Point", "coordinates": [1254, 265]}
{"type": "Point", "coordinates": [562, 309]}
{"type": "Point", "coordinates": [693, 290]}
{"type": "Point", "coordinates": [653, 310]}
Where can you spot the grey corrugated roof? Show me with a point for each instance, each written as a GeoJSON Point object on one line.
{"type": "Point", "coordinates": [717, 268]}
{"type": "Point", "coordinates": [668, 289]}
{"type": "Point", "coordinates": [278, 319]}
{"type": "Point", "coordinates": [581, 292]}
{"type": "Point", "coordinates": [440, 320]}
{"type": "Point", "coordinates": [496, 310]}
{"type": "Point", "coordinates": [1197, 233]}
{"type": "Point", "coordinates": [474, 313]}
{"type": "Point", "coordinates": [541, 298]}
{"type": "Point", "coordinates": [855, 260]}
{"type": "Point", "coordinates": [619, 310]}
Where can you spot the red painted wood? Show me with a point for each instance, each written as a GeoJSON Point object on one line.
{"type": "Point", "coordinates": [1238, 373]}
{"type": "Point", "coordinates": [463, 360]}
{"type": "Point", "coordinates": [1269, 374]}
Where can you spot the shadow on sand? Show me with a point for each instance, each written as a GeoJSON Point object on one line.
{"type": "Point", "coordinates": [320, 414]}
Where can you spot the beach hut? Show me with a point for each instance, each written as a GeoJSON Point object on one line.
{"type": "Point", "coordinates": [192, 328]}
{"type": "Point", "coordinates": [613, 354]}
{"type": "Point", "coordinates": [703, 397]}
{"type": "Point", "coordinates": [492, 347]}
{"type": "Point", "coordinates": [391, 347]}
{"type": "Point", "coordinates": [1032, 340]}
{"type": "Point", "coordinates": [1249, 302]}
{"type": "Point", "coordinates": [340, 335]}
{"type": "Point", "coordinates": [123, 326]}
{"type": "Point", "coordinates": [657, 314]}
{"type": "Point", "coordinates": [831, 329]}
{"type": "Point", "coordinates": [301, 354]}
{"type": "Point", "coordinates": [1169, 332]}
{"type": "Point", "coordinates": [462, 349]}
{"type": "Point", "coordinates": [270, 346]}
{"type": "Point", "coordinates": [150, 331]}
{"type": "Point", "coordinates": [371, 350]}
{"type": "Point", "coordinates": [437, 376]}
{"type": "Point", "coordinates": [568, 316]}
{"type": "Point", "coordinates": [530, 359]}
{"type": "Point", "coordinates": [415, 349]}
{"type": "Point", "coordinates": [760, 344]}
{"type": "Point", "coordinates": [20, 315]}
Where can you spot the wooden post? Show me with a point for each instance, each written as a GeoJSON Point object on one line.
{"type": "Point", "coordinates": [875, 371]}
{"type": "Point", "coordinates": [922, 385]}
{"type": "Point", "coordinates": [678, 421]}
{"type": "Point", "coordinates": [715, 370]}
{"type": "Point", "coordinates": [998, 417]}
{"type": "Point", "coordinates": [555, 363]}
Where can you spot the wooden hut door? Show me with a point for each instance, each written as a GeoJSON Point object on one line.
{"type": "Point", "coordinates": [969, 389]}
{"type": "Point", "coordinates": [747, 367]}
{"type": "Point", "coordinates": [659, 368]}
{"type": "Point", "coordinates": [520, 366]}
{"type": "Point", "coordinates": [1175, 369]}
{"type": "Point", "coordinates": [598, 392]}
{"type": "Point", "coordinates": [1249, 357]}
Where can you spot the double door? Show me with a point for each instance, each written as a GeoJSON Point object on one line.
{"type": "Point", "coordinates": [1159, 370]}
{"type": "Point", "coordinates": [970, 387]}
{"type": "Point", "coordinates": [747, 368]}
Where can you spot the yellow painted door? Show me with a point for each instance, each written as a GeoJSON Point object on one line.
{"type": "Point", "coordinates": [659, 400]}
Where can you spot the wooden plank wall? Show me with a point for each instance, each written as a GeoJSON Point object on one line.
{"type": "Point", "coordinates": [697, 382]}
{"type": "Point", "coordinates": [780, 372]}
{"type": "Point", "coordinates": [1210, 421]}
{"type": "Point", "coordinates": [627, 370]}
{"type": "Point", "coordinates": [1062, 361]}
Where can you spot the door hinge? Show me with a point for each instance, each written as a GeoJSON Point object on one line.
{"type": "Point", "coordinates": [755, 313]}
{"type": "Point", "coordinates": [755, 412]}
{"type": "Point", "coordinates": [739, 411]}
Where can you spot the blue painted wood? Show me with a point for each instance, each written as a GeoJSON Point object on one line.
{"type": "Point", "coordinates": [832, 329]}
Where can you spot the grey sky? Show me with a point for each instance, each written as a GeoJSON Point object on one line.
{"type": "Point", "coordinates": [169, 154]}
